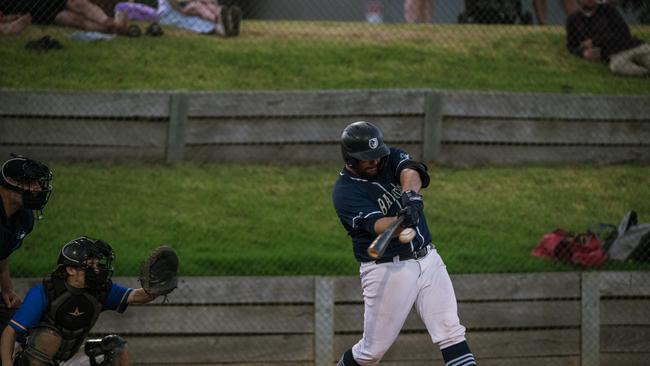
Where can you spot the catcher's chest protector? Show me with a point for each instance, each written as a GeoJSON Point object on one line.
{"type": "Point", "coordinates": [73, 312]}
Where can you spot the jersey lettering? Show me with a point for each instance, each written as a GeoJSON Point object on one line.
{"type": "Point", "coordinates": [387, 199]}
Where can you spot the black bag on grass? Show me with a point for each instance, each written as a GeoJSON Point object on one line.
{"type": "Point", "coordinates": [632, 241]}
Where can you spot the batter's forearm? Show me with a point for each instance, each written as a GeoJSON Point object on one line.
{"type": "Point", "coordinates": [382, 224]}
{"type": "Point", "coordinates": [410, 180]}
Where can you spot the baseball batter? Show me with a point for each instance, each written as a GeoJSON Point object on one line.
{"type": "Point", "coordinates": [377, 185]}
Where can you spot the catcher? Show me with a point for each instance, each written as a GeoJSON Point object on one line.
{"type": "Point", "coordinates": [57, 315]}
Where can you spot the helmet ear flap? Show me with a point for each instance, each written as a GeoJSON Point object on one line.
{"type": "Point", "coordinates": [347, 159]}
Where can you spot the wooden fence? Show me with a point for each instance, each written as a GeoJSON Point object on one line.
{"type": "Point", "coordinates": [465, 128]}
{"type": "Point", "coordinates": [560, 319]}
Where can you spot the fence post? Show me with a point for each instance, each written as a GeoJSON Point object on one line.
{"type": "Point", "coordinates": [323, 321]}
{"type": "Point", "coordinates": [178, 106]}
{"type": "Point", "coordinates": [590, 319]}
{"type": "Point", "coordinates": [432, 126]}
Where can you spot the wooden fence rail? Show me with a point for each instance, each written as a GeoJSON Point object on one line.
{"type": "Point", "coordinates": [465, 128]}
{"type": "Point", "coordinates": [563, 319]}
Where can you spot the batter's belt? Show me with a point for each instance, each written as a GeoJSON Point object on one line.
{"type": "Point", "coordinates": [420, 253]}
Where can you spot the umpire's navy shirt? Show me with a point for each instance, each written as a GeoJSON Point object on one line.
{"type": "Point", "coordinates": [14, 229]}
{"type": "Point", "coordinates": [360, 202]}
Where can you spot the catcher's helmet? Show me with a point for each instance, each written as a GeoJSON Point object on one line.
{"type": "Point", "coordinates": [78, 252]}
{"type": "Point", "coordinates": [20, 174]}
{"type": "Point", "coordinates": [362, 141]}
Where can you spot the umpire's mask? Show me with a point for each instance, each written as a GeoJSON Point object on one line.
{"type": "Point", "coordinates": [24, 175]}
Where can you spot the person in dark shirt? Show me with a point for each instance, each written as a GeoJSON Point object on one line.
{"type": "Point", "coordinates": [598, 32]}
{"type": "Point", "coordinates": [24, 188]}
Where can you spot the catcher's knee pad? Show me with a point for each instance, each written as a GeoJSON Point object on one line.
{"type": "Point", "coordinates": [105, 351]}
{"type": "Point", "coordinates": [42, 345]}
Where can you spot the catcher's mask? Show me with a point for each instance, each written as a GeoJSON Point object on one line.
{"type": "Point", "coordinates": [363, 141]}
{"type": "Point", "coordinates": [94, 256]}
{"type": "Point", "coordinates": [28, 177]}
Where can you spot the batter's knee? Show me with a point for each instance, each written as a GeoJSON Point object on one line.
{"type": "Point", "coordinates": [450, 332]}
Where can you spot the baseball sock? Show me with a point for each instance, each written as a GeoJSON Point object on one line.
{"type": "Point", "coordinates": [458, 355]}
{"type": "Point", "coordinates": [347, 359]}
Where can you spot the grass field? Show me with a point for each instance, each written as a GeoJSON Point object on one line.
{"type": "Point", "coordinates": [278, 220]}
{"type": "Point", "coordinates": [317, 55]}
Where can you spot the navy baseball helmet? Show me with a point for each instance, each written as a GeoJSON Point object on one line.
{"type": "Point", "coordinates": [362, 141]}
{"type": "Point", "coordinates": [80, 252]}
{"type": "Point", "coordinates": [20, 173]}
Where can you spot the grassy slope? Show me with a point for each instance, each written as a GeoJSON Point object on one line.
{"type": "Point", "coordinates": [484, 219]}
{"type": "Point", "coordinates": [317, 55]}
{"type": "Point", "coordinates": [276, 220]}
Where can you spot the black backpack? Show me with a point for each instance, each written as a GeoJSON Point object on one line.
{"type": "Point", "coordinates": [632, 240]}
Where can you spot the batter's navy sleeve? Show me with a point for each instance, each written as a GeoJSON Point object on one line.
{"type": "Point", "coordinates": [397, 160]}
{"type": "Point", "coordinates": [355, 209]}
{"type": "Point", "coordinates": [30, 312]}
{"type": "Point", "coordinates": [117, 298]}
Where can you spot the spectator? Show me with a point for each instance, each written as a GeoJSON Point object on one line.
{"type": "Point", "coordinates": [80, 14]}
{"type": "Point", "coordinates": [201, 16]}
{"type": "Point", "coordinates": [598, 32]}
{"type": "Point", "coordinates": [569, 7]}
{"type": "Point", "coordinates": [418, 11]}
{"type": "Point", "coordinates": [13, 24]}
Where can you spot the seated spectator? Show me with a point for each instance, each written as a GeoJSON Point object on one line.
{"type": "Point", "coordinates": [13, 24]}
{"type": "Point", "coordinates": [200, 16]}
{"type": "Point", "coordinates": [80, 14]}
{"type": "Point", "coordinates": [598, 32]}
{"type": "Point", "coordinates": [569, 7]}
{"type": "Point", "coordinates": [418, 11]}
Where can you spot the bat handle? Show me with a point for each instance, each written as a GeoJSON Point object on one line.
{"type": "Point", "coordinates": [378, 247]}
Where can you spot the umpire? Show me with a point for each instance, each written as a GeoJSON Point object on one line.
{"type": "Point", "coordinates": [377, 185]}
{"type": "Point", "coordinates": [25, 187]}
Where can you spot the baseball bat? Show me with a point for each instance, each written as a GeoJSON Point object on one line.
{"type": "Point", "coordinates": [378, 246]}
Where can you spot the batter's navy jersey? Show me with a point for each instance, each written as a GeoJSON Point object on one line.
{"type": "Point", "coordinates": [360, 202]}
{"type": "Point", "coordinates": [35, 305]}
{"type": "Point", "coordinates": [14, 229]}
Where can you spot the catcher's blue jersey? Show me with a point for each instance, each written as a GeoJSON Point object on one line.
{"type": "Point", "coordinates": [360, 202]}
{"type": "Point", "coordinates": [36, 304]}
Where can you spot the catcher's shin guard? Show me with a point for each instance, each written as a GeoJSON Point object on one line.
{"type": "Point", "coordinates": [108, 349]}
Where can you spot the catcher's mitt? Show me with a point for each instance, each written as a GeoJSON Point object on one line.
{"type": "Point", "coordinates": [159, 272]}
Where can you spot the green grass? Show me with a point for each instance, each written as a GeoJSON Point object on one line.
{"type": "Point", "coordinates": [278, 220]}
{"type": "Point", "coordinates": [317, 55]}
